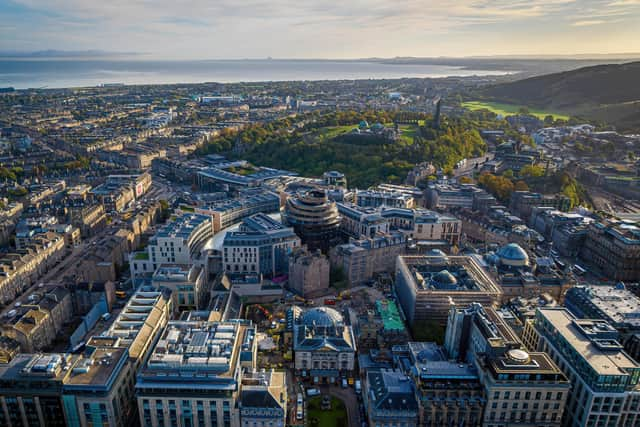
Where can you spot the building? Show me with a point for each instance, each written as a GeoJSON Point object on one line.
{"type": "Point", "coordinates": [423, 225]}
{"type": "Point", "coordinates": [521, 387]}
{"type": "Point", "coordinates": [359, 222]}
{"type": "Point", "coordinates": [139, 183]}
{"type": "Point", "coordinates": [99, 390]}
{"type": "Point", "coordinates": [140, 323]}
{"type": "Point", "coordinates": [376, 199]}
{"type": "Point", "coordinates": [323, 344]}
{"type": "Point", "coordinates": [519, 276]}
{"type": "Point", "coordinates": [31, 390]}
{"type": "Point", "coordinates": [178, 242]}
{"type": "Point", "coordinates": [604, 379]}
{"type": "Point", "coordinates": [114, 196]}
{"type": "Point", "coordinates": [362, 259]}
{"type": "Point", "coordinates": [389, 399]}
{"type": "Point", "coordinates": [522, 203]}
{"type": "Point", "coordinates": [221, 178]}
{"type": "Point", "coordinates": [263, 399]}
{"type": "Point", "coordinates": [334, 179]}
{"type": "Point", "coordinates": [427, 286]}
{"type": "Point", "coordinates": [193, 375]}
{"type": "Point", "coordinates": [417, 224]}
{"type": "Point", "coordinates": [613, 304]}
{"type": "Point", "coordinates": [230, 212]}
{"type": "Point", "coordinates": [261, 246]}
{"type": "Point", "coordinates": [613, 247]}
{"type": "Point", "coordinates": [314, 218]}
{"type": "Point", "coordinates": [187, 283]}
{"type": "Point", "coordinates": [20, 270]}
{"type": "Point", "coordinates": [444, 195]}
{"type": "Point", "coordinates": [37, 319]}
{"type": "Point", "coordinates": [89, 219]}
{"type": "Point", "coordinates": [449, 392]}
{"type": "Point", "coordinates": [308, 272]}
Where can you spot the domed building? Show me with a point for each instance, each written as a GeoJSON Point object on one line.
{"type": "Point", "coordinates": [324, 346]}
{"type": "Point", "coordinates": [314, 219]}
{"type": "Point", "coordinates": [513, 255]}
{"type": "Point", "coordinates": [445, 280]}
{"type": "Point", "coordinates": [520, 276]}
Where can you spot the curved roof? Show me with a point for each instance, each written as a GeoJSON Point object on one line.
{"type": "Point", "coordinates": [513, 252]}
{"type": "Point", "coordinates": [444, 277]}
{"type": "Point", "coordinates": [436, 252]}
{"type": "Point", "coordinates": [321, 317]}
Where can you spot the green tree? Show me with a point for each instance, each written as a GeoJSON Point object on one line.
{"type": "Point", "coordinates": [532, 171]}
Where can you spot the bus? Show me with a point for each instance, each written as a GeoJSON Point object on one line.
{"type": "Point", "coordinates": [300, 407]}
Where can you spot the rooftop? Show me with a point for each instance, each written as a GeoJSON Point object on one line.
{"type": "Point", "coordinates": [582, 336]}
{"type": "Point", "coordinates": [446, 274]}
{"type": "Point", "coordinates": [202, 351]}
{"type": "Point", "coordinates": [390, 314]}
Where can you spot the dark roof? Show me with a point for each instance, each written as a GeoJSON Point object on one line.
{"type": "Point", "coordinates": [258, 399]}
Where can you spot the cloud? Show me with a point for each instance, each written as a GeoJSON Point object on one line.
{"type": "Point", "coordinates": [311, 28]}
{"type": "Point", "coordinates": [588, 23]}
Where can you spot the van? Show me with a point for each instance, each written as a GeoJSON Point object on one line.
{"type": "Point", "coordinates": [300, 400]}
{"type": "Point", "coordinates": [299, 414]}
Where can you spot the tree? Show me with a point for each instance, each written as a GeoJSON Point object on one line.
{"type": "Point", "coordinates": [548, 120]}
{"type": "Point", "coordinates": [465, 180]}
{"type": "Point", "coordinates": [532, 171]}
{"type": "Point", "coordinates": [521, 186]}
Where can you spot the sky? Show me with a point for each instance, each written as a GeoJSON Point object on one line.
{"type": "Point", "coordinates": [232, 29]}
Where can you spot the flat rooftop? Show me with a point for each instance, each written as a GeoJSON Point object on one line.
{"type": "Point", "coordinates": [97, 368]}
{"type": "Point", "coordinates": [198, 348]}
{"type": "Point", "coordinates": [391, 319]}
{"type": "Point", "coordinates": [609, 362]}
{"type": "Point", "coordinates": [182, 226]}
{"type": "Point", "coordinates": [619, 304]}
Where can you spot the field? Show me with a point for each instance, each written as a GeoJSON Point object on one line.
{"type": "Point", "coordinates": [335, 417]}
{"type": "Point", "coordinates": [331, 132]}
{"type": "Point", "coordinates": [407, 133]}
{"type": "Point", "coordinates": [510, 109]}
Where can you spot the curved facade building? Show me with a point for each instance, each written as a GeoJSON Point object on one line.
{"type": "Point", "coordinates": [314, 218]}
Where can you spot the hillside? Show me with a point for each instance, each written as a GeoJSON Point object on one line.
{"type": "Point", "coordinates": [604, 92]}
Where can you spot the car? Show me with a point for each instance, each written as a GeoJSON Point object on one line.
{"type": "Point", "coordinates": [313, 392]}
{"type": "Point", "coordinates": [344, 383]}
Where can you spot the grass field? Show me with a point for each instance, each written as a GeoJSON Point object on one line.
{"type": "Point", "coordinates": [334, 131]}
{"type": "Point", "coordinates": [510, 109]}
{"type": "Point", "coordinates": [407, 133]}
{"type": "Point", "coordinates": [335, 417]}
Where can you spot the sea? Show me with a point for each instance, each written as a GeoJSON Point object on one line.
{"type": "Point", "coordinates": [62, 73]}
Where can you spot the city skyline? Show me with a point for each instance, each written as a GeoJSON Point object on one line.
{"type": "Point", "coordinates": [196, 29]}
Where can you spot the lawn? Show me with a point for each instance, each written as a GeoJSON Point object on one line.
{"type": "Point", "coordinates": [336, 417]}
{"type": "Point", "coordinates": [510, 109]}
{"type": "Point", "coordinates": [331, 132]}
{"type": "Point", "coordinates": [407, 133]}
